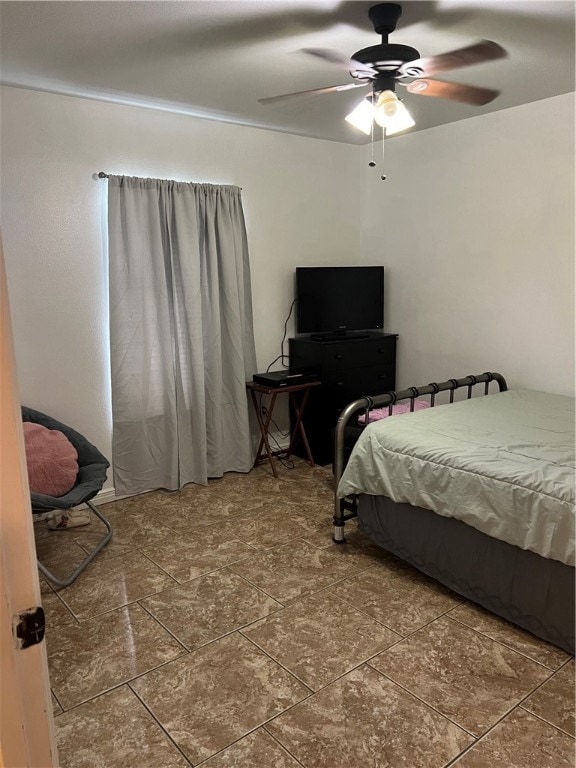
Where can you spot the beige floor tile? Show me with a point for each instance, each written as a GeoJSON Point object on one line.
{"type": "Point", "coordinates": [358, 549]}
{"type": "Point", "coordinates": [312, 491]}
{"type": "Point", "coordinates": [230, 482]}
{"type": "Point", "coordinates": [319, 638]}
{"type": "Point", "coordinates": [90, 658]}
{"type": "Point", "coordinates": [293, 570]}
{"type": "Point", "coordinates": [221, 495]}
{"type": "Point", "coordinates": [466, 676]}
{"type": "Point", "coordinates": [114, 731]}
{"type": "Point", "coordinates": [186, 516]}
{"type": "Point", "coordinates": [59, 553]}
{"type": "Point", "coordinates": [520, 741]}
{"type": "Point", "coordinates": [321, 537]}
{"type": "Point", "coordinates": [310, 488]}
{"type": "Point", "coordinates": [318, 477]}
{"type": "Point", "coordinates": [201, 551]}
{"type": "Point", "coordinates": [190, 500]}
{"type": "Point", "coordinates": [45, 587]}
{"type": "Point", "coordinates": [162, 499]}
{"type": "Point", "coordinates": [112, 583]}
{"type": "Point", "coordinates": [210, 698]}
{"type": "Point", "coordinates": [397, 595]}
{"type": "Point", "coordinates": [132, 528]}
{"type": "Point", "coordinates": [56, 708]}
{"type": "Point", "coordinates": [507, 634]}
{"type": "Point", "coordinates": [275, 523]}
{"type": "Point", "coordinates": [155, 502]}
{"type": "Point", "coordinates": [56, 613]}
{"type": "Point", "coordinates": [364, 720]}
{"type": "Point", "coordinates": [554, 701]}
{"type": "Point", "coordinates": [258, 750]}
{"type": "Point", "coordinates": [209, 606]}
{"type": "Point", "coordinates": [312, 502]}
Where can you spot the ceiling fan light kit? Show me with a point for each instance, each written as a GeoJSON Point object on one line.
{"type": "Point", "coordinates": [388, 112]}
{"type": "Point", "coordinates": [391, 114]}
{"type": "Point", "coordinates": [362, 116]}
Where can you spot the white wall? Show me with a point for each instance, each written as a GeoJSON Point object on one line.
{"type": "Point", "coordinates": [475, 224]}
{"type": "Point", "coordinates": [299, 200]}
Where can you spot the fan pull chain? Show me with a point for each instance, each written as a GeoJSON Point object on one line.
{"type": "Point", "coordinates": [372, 163]}
{"type": "Point", "coordinates": [383, 176]}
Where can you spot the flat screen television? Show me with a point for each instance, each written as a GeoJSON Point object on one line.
{"type": "Point", "coordinates": [339, 300]}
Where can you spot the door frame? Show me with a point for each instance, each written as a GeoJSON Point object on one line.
{"type": "Point", "coordinates": [27, 734]}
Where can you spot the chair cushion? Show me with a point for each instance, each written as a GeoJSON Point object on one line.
{"type": "Point", "coordinates": [51, 458]}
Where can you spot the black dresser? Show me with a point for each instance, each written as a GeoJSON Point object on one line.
{"type": "Point", "coordinates": [349, 369]}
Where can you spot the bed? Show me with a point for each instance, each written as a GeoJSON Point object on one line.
{"type": "Point", "coordinates": [477, 493]}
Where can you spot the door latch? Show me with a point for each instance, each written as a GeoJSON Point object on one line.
{"type": "Point", "coordinates": [29, 627]}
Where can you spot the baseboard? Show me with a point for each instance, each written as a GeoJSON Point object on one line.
{"type": "Point", "coordinates": [278, 441]}
{"type": "Point", "coordinates": [105, 496]}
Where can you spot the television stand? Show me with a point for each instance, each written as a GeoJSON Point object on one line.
{"type": "Point", "coordinates": [339, 336]}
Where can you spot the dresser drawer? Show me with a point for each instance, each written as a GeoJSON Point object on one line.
{"type": "Point", "coordinates": [354, 354]}
{"type": "Point", "coordinates": [351, 384]}
{"type": "Point", "coordinates": [337, 355]}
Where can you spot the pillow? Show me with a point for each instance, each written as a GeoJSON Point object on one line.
{"type": "Point", "coordinates": [51, 458]}
{"type": "Point", "coordinates": [403, 407]}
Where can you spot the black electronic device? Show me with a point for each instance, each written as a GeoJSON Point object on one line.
{"type": "Point", "coordinates": [288, 378]}
{"type": "Point", "coordinates": [339, 300]}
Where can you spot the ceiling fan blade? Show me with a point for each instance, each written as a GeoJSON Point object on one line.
{"type": "Point", "coordinates": [468, 94]}
{"type": "Point", "coordinates": [485, 50]}
{"type": "Point", "coordinates": [312, 92]}
{"type": "Point", "coordinates": [335, 57]}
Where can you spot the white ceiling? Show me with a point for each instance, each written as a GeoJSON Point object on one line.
{"type": "Point", "coordinates": [216, 58]}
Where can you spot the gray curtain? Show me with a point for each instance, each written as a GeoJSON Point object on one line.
{"type": "Point", "coordinates": [181, 333]}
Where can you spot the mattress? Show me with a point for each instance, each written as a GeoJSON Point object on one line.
{"type": "Point", "coordinates": [503, 464]}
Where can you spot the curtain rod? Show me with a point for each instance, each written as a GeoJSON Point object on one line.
{"type": "Point", "coordinates": [102, 175]}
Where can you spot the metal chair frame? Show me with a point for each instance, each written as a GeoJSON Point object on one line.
{"type": "Point", "coordinates": [91, 478]}
{"type": "Point", "coordinates": [98, 548]}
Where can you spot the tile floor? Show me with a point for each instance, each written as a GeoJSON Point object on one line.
{"type": "Point", "coordinates": [221, 627]}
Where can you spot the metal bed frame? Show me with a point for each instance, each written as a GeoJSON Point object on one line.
{"type": "Point", "coordinates": [347, 508]}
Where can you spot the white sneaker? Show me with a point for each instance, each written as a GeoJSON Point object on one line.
{"type": "Point", "coordinates": [71, 518]}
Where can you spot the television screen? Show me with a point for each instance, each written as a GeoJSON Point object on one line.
{"type": "Point", "coordinates": [339, 299]}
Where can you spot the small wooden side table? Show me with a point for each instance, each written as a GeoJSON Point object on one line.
{"type": "Point", "coordinates": [264, 452]}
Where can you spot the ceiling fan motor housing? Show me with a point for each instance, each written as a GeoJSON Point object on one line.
{"type": "Point", "coordinates": [385, 58]}
{"type": "Point", "coordinates": [383, 83]}
{"type": "Point", "coordinates": [384, 17]}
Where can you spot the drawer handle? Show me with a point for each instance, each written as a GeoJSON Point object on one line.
{"type": "Point", "coordinates": [382, 351]}
{"type": "Point", "coordinates": [383, 376]}
{"type": "Point", "coordinates": [338, 357]}
{"type": "Point", "coordinates": [339, 383]}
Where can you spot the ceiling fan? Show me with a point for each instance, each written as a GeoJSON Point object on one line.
{"type": "Point", "coordinates": [387, 65]}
